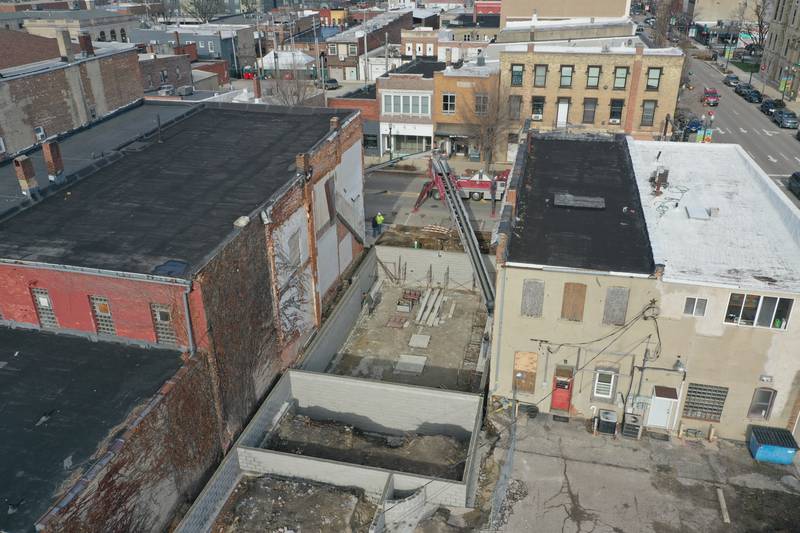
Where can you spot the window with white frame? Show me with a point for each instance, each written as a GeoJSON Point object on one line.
{"type": "Point", "coordinates": [352, 49]}
{"type": "Point", "coordinates": [566, 75]}
{"type": "Point", "coordinates": [331, 49]}
{"type": "Point", "coordinates": [695, 306]}
{"type": "Point", "coordinates": [761, 406]}
{"type": "Point", "coordinates": [760, 311]}
{"type": "Point", "coordinates": [406, 104]}
{"type": "Point", "coordinates": [448, 103]}
{"type": "Point", "coordinates": [653, 79]}
{"type": "Point", "coordinates": [202, 44]}
{"type": "Point", "coordinates": [409, 49]}
{"type": "Point", "coordinates": [604, 381]}
{"type": "Point", "coordinates": [211, 46]}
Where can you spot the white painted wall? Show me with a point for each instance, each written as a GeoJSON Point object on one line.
{"type": "Point", "coordinates": [327, 259]}
{"type": "Point", "coordinates": [350, 188]}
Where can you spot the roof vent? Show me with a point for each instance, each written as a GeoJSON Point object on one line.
{"type": "Point", "coordinates": [659, 179]}
{"type": "Point", "coordinates": [697, 212]}
{"type": "Point", "coordinates": [563, 199]}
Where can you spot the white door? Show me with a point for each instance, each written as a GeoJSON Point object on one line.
{"type": "Point", "coordinates": [351, 73]}
{"type": "Point", "coordinates": [563, 112]}
{"type": "Point", "coordinates": [662, 407]}
{"type": "Point", "coordinates": [429, 49]}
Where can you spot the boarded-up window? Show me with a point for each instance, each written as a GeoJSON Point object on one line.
{"type": "Point", "coordinates": [532, 297]}
{"type": "Point", "coordinates": [572, 304]}
{"type": "Point", "coordinates": [616, 306]}
{"type": "Point", "coordinates": [525, 364]}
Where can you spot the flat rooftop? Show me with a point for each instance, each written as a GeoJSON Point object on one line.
{"type": "Point", "coordinates": [464, 20]}
{"type": "Point", "coordinates": [578, 207]}
{"type": "Point", "coordinates": [83, 148]}
{"type": "Point", "coordinates": [418, 66]}
{"type": "Point", "coordinates": [60, 397]}
{"type": "Point", "coordinates": [743, 231]}
{"type": "Point", "coordinates": [371, 25]}
{"type": "Point", "coordinates": [176, 199]}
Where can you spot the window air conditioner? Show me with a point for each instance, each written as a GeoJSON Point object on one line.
{"type": "Point", "coordinates": [536, 116]}
{"type": "Point", "coordinates": [613, 121]}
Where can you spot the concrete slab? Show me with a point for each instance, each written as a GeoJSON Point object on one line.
{"type": "Point", "coordinates": [419, 341]}
{"type": "Point", "coordinates": [564, 479]}
{"type": "Point", "coordinates": [411, 364]}
{"type": "Point", "coordinates": [373, 350]}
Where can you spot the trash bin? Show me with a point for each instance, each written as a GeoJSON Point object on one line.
{"type": "Point", "coordinates": [772, 445]}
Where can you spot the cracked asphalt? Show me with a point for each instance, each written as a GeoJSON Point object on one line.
{"type": "Point", "coordinates": [564, 479]}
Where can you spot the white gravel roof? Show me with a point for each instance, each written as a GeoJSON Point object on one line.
{"type": "Point", "coordinates": [747, 234]}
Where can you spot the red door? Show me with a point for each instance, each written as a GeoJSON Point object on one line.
{"type": "Point", "coordinates": [562, 389]}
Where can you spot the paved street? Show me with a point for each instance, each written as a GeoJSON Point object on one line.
{"type": "Point", "coordinates": [394, 194]}
{"type": "Point", "coordinates": [776, 150]}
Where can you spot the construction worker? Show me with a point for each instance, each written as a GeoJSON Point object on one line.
{"type": "Point", "coordinates": [377, 224]}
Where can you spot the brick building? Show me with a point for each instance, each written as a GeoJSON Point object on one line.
{"type": "Point", "coordinates": [21, 48]}
{"type": "Point", "coordinates": [46, 98]}
{"type": "Point", "coordinates": [101, 25]}
{"type": "Point", "coordinates": [365, 99]}
{"type": "Point", "coordinates": [591, 88]}
{"type": "Point", "coordinates": [159, 69]}
{"type": "Point", "coordinates": [345, 50]}
{"type": "Point", "coordinates": [231, 260]}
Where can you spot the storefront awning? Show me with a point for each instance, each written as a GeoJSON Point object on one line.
{"type": "Point", "coordinates": [454, 130]}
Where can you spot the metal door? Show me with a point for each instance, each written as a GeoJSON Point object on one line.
{"type": "Point", "coordinates": [563, 112]}
{"type": "Point", "coordinates": [351, 73]}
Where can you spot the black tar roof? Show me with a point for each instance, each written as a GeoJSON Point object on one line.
{"type": "Point", "coordinates": [418, 66]}
{"type": "Point", "coordinates": [174, 200]}
{"type": "Point", "coordinates": [362, 93]}
{"type": "Point", "coordinates": [606, 239]}
{"type": "Point", "coordinates": [484, 21]}
{"type": "Point", "coordinates": [85, 147]}
{"type": "Point", "coordinates": [60, 396]}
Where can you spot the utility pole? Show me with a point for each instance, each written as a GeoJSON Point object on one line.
{"type": "Point", "coordinates": [366, 61]}
{"type": "Point", "coordinates": [260, 62]}
{"type": "Point", "coordinates": [386, 51]}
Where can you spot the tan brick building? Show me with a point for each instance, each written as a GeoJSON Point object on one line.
{"type": "Point", "coordinates": [614, 89]}
{"type": "Point", "coordinates": [524, 9]}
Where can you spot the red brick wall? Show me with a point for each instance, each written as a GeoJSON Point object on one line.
{"type": "Point", "coordinates": [219, 68]}
{"type": "Point", "coordinates": [69, 294]}
{"type": "Point", "coordinates": [370, 110]}
{"type": "Point", "coordinates": [151, 71]}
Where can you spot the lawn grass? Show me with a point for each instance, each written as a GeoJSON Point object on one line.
{"type": "Point", "coordinates": [747, 67]}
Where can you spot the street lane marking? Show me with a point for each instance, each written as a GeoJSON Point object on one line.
{"type": "Point", "coordinates": [779, 175]}
{"type": "Point", "coordinates": [798, 159]}
{"type": "Point", "coordinates": [770, 133]}
{"type": "Point", "coordinates": [720, 130]}
{"type": "Point", "coordinates": [728, 130]}
{"type": "Point", "coordinates": [783, 156]}
{"type": "Point", "coordinates": [772, 159]}
{"type": "Point", "coordinates": [743, 130]}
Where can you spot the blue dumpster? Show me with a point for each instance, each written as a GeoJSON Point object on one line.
{"type": "Point", "coordinates": [772, 445]}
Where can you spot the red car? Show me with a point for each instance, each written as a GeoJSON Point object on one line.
{"type": "Point", "coordinates": [710, 97]}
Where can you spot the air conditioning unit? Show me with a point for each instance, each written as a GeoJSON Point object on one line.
{"type": "Point", "coordinates": [185, 90]}
{"type": "Point", "coordinates": [613, 121]}
{"type": "Point", "coordinates": [40, 134]}
{"type": "Point", "coordinates": [536, 116]}
{"type": "Point", "coordinates": [341, 58]}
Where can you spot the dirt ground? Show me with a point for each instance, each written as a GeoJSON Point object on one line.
{"type": "Point", "coordinates": [429, 455]}
{"type": "Point", "coordinates": [269, 504]}
{"type": "Point", "coordinates": [562, 478]}
{"type": "Point", "coordinates": [439, 238]}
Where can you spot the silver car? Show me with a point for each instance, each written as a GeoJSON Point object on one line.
{"type": "Point", "coordinates": [785, 119]}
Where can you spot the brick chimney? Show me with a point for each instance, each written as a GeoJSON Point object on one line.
{"type": "Point", "coordinates": [85, 42]}
{"type": "Point", "coordinates": [334, 123]}
{"type": "Point", "coordinates": [52, 158]}
{"type": "Point", "coordinates": [301, 162]}
{"type": "Point", "coordinates": [26, 177]}
{"type": "Point", "coordinates": [65, 46]}
{"type": "Point", "coordinates": [177, 40]}
{"type": "Point", "coordinates": [257, 89]}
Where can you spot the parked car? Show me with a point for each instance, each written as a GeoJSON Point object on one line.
{"type": "Point", "coordinates": [754, 96]}
{"type": "Point", "coordinates": [743, 88]}
{"type": "Point", "coordinates": [694, 125]}
{"type": "Point", "coordinates": [650, 21]}
{"type": "Point", "coordinates": [710, 97]}
{"type": "Point", "coordinates": [639, 29]}
{"type": "Point", "coordinates": [331, 84]}
{"type": "Point", "coordinates": [785, 118]}
{"type": "Point", "coordinates": [794, 182]}
{"type": "Point", "coordinates": [731, 80]}
{"type": "Point", "coordinates": [768, 105]}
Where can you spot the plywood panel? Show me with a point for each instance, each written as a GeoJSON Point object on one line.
{"type": "Point", "coordinates": [525, 365]}
{"type": "Point", "coordinates": [573, 302]}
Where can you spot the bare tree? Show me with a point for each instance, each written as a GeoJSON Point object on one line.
{"type": "Point", "coordinates": [290, 86]}
{"type": "Point", "coordinates": [169, 10]}
{"type": "Point", "coordinates": [489, 121]}
{"type": "Point", "coordinates": [204, 10]}
{"type": "Point", "coordinates": [249, 6]}
{"type": "Point", "coordinates": [665, 10]}
{"type": "Point", "coordinates": [753, 17]}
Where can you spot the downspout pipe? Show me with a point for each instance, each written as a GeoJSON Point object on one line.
{"type": "Point", "coordinates": [189, 329]}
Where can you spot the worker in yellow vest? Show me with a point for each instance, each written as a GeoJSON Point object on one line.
{"type": "Point", "coordinates": [377, 224]}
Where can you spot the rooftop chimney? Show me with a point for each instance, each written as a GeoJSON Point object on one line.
{"type": "Point", "coordinates": [177, 40]}
{"type": "Point", "coordinates": [334, 123]}
{"type": "Point", "coordinates": [52, 158]}
{"type": "Point", "coordinates": [65, 46]}
{"type": "Point", "coordinates": [85, 42]}
{"type": "Point", "coordinates": [26, 177]}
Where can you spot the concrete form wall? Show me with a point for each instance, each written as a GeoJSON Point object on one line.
{"type": "Point", "coordinates": [334, 332]}
{"type": "Point", "coordinates": [378, 406]}
{"type": "Point", "coordinates": [417, 267]}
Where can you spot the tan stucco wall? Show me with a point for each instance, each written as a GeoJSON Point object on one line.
{"type": "Point", "coordinates": [524, 9]}
{"type": "Point", "coordinates": [714, 353]}
{"type": "Point", "coordinates": [714, 10]}
{"type": "Point", "coordinates": [633, 94]}
{"type": "Point", "coordinates": [588, 31]}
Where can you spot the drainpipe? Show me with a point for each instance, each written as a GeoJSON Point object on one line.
{"type": "Point", "coordinates": [189, 333]}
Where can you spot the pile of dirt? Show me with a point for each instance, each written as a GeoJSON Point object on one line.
{"type": "Point", "coordinates": [429, 455]}
{"type": "Point", "coordinates": [277, 504]}
{"type": "Point", "coordinates": [431, 238]}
